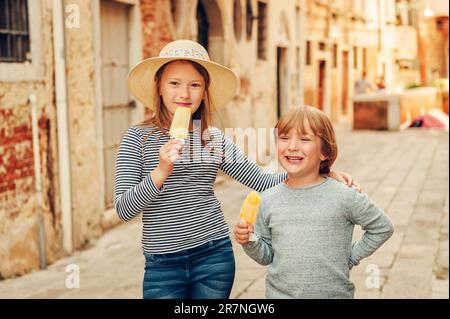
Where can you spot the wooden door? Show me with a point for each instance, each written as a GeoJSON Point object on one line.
{"type": "Point", "coordinates": [117, 105]}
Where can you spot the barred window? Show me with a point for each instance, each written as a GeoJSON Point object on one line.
{"type": "Point", "coordinates": [14, 31]}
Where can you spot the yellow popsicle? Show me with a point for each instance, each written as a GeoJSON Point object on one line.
{"type": "Point", "coordinates": [249, 209]}
{"type": "Point", "coordinates": [180, 122]}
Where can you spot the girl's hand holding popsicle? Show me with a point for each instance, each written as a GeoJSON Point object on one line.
{"type": "Point", "coordinates": [168, 154]}
{"type": "Point", "coordinates": [171, 151]}
{"type": "Point", "coordinates": [179, 130]}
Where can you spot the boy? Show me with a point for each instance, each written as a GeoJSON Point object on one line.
{"type": "Point", "coordinates": [305, 224]}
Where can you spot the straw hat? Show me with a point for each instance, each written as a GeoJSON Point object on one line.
{"type": "Point", "coordinates": [141, 79]}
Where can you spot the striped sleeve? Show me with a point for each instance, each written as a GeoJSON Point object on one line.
{"type": "Point", "coordinates": [237, 165]}
{"type": "Point", "coordinates": [132, 193]}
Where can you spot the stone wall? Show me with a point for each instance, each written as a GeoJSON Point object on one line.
{"type": "Point", "coordinates": [19, 244]}
{"type": "Point", "coordinates": [84, 156]}
{"type": "Point", "coordinates": [157, 30]}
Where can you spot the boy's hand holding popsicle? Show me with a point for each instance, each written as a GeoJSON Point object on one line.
{"type": "Point", "coordinates": [243, 231]}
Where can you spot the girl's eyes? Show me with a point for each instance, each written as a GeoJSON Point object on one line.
{"type": "Point", "coordinates": [194, 85]}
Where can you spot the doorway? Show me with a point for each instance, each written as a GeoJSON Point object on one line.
{"type": "Point", "coordinates": [344, 82]}
{"type": "Point", "coordinates": [210, 29]}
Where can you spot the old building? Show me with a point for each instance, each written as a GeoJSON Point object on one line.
{"type": "Point", "coordinates": [433, 40]}
{"type": "Point", "coordinates": [72, 59]}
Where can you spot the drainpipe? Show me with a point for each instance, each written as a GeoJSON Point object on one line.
{"type": "Point", "coordinates": [63, 125]}
{"type": "Point", "coordinates": [37, 182]}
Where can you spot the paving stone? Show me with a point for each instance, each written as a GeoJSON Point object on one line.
{"type": "Point", "coordinates": [440, 285]}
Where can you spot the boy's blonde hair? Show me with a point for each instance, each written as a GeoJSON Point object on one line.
{"type": "Point", "coordinates": [297, 117]}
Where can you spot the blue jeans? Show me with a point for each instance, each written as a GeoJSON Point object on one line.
{"type": "Point", "coordinates": [204, 272]}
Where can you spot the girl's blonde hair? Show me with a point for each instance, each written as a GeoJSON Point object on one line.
{"type": "Point", "coordinates": [161, 119]}
{"type": "Point", "coordinates": [298, 117]}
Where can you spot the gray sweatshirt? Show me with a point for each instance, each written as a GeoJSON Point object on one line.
{"type": "Point", "coordinates": [305, 236]}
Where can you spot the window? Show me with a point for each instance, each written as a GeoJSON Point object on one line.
{"type": "Point", "coordinates": [297, 75]}
{"type": "Point", "coordinates": [405, 13]}
{"type": "Point", "coordinates": [440, 23]}
{"type": "Point", "coordinates": [412, 14]}
{"type": "Point", "coordinates": [405, 64]}
{"type": "Point", "coordinates": [297, 23]}
{"type": "Point", "coordinates": [355, 57]}
{"type": "Point", "coordinates": [202, 24]}
{"type": "Point", "coordinates": [335, 55]}
{"type": "Point", "coordinates": [14, 31]}
{"type": "Point", "coordinates": [262, 30]}
{"type": "Point", "coordinates": [308, 53]}
{"type": "Point", "coordinates": [364, 57]}
{"type": "Point", "coordinates": [237, 19]}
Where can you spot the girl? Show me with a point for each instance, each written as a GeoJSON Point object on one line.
{"type": "Point", "coordinates": [188, 253]}
{"type": "Point", "coordinates": [305, 224]}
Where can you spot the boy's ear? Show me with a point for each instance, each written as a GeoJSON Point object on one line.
{"type": "Point", "coordinates": [322, 157]}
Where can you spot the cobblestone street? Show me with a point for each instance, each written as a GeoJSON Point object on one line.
{"type": "Point", "coordinates": [406, 173]}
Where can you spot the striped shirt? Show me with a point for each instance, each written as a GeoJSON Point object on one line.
{"type": "Point", "coordinates": [184, 213]}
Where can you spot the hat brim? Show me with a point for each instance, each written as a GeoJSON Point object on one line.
{"type": "Point", "coordinates": [141, 80]}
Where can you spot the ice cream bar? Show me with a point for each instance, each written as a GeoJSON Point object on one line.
{"type": "Point", "coordinates": [249, 208]}
{"type": "Point", "coordinates": [180, 122]}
